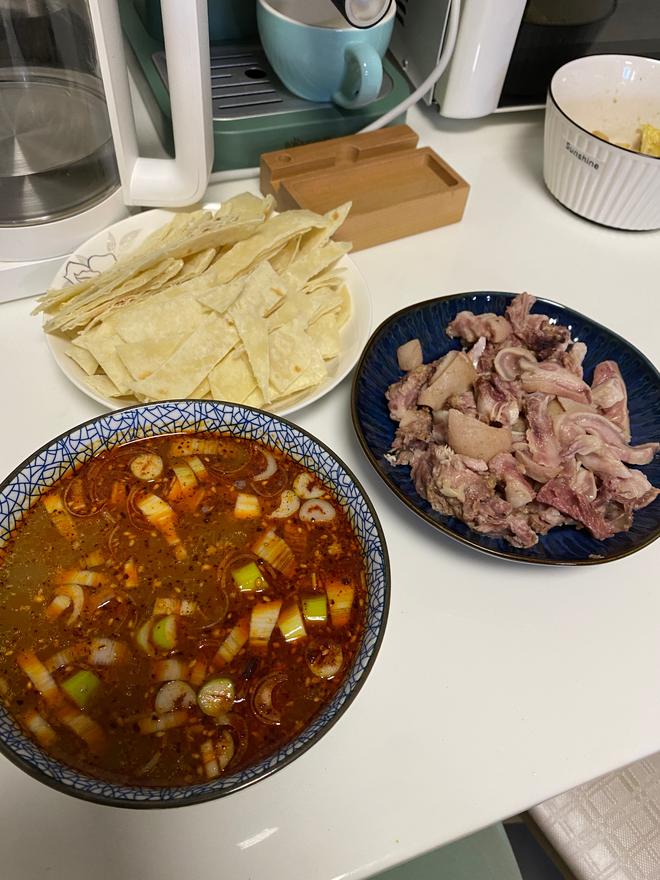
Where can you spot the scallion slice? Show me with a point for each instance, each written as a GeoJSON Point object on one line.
{"type": "Point", "coordinates": [291, 623]}
{"type": "Point", "coordinates": [39, 676]}
{"type": "Point", "coordinates": [248, 578]}
{"type": "Point", "coordinates": [131, 578]}
{"type": "Point", "coordinates": [235, 640]}
{"type": "Point", "coordinates": [142, 637]}
{"type": "Point", "coordinates": [147, 466]}
{"type": "Point", "coordinates": [60, 517]}
{"type": "Point", "coordinates": [39, 728]}
{"type": "Point", "coordinates": [81, 687]}
{"type": "Point", "coordinates": [276, 552]}
{"type": "Point", "coordinates": [247, 506]}
{"type": "Point", "coordinates": [160, 515]}
{"type": "Point", "coordinates": [158, 723]}
{"type": "Point", "coordinates": [163, 633]}
{"type": "Point", "coordinates": [198, 467]}
{"type": "Point", "coordinates": [340, 597]}
{"type": "Point", "coordinates": [315, 607]}
{"type": "Point", "coordinates": [262, 622]}
{"type": "Point", "coordinates": [216, 696]}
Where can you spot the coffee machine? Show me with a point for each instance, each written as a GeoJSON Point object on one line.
{"type": "Point", "coordinates": [253, 112]}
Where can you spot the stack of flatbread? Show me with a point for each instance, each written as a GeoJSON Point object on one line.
{"type": "Point", "coordinates": [239, 304]}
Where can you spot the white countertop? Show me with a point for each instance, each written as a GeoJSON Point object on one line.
{"type": "Point", "coordinates": [497, 685]}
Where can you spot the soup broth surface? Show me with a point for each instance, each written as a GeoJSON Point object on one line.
{"type": "Point", "coordinates": [178, 609]}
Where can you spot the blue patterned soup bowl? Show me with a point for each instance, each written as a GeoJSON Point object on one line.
{"type": "Point", "coordinates": [21, 489]}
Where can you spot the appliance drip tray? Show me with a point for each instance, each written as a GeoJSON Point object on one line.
{"type": "Point", "coordinates": [56, 151]}
{"type": "Point", "coordinates": [243, 84]}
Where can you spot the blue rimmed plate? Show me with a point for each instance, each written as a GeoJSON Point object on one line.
{"type": "Point", "coordinates": [378, 368]}
{"type": "Point", "coordinates": [32, 478]}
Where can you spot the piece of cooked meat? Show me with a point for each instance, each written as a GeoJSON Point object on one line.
{"type": "Point", "coordinates": [475, 439]}
{"type": "Point", "coordinates": [559, 493]}
{"type": "Point", "coordinates": [541, 439]}
{"type": "Point", "coordinates": [609, 393]}
{"type": "Point", "coordinates": [409, 355]}
{"type": "Point", "coordinates": [453, 374]}
{"type": "Point", "coordinates": [402, 395]}
{"type": "Point", "coordinates": [510, 362]}
{"type": "Point", "coordinates": [551, 378]}
{"type": "Point", "coordinates": [536, 331]}
{"type": "Point", "coordinates": [455, 489]}
{"type": "Point", "coordinates": [496, 401]}
{"type": "Point", "coordinates": [469, 327]}
{"type": "Point", "coordinates": [517, 490]}
{"type": "Point", "coordinates": [508, 437]}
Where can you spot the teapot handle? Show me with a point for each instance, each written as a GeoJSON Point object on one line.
{"type": "Point", "coordinates": [163, 182]}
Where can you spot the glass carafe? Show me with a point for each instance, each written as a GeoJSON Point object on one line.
{"type": "Point", "coordinates": [56, 151]}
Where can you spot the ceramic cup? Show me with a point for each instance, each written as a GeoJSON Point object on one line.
{"type": "Point", "coordinates": [595, 178]}
{"type": "Point", "coordinates": [319, 56]}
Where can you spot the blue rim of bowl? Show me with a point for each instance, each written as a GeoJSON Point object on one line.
{"type": "Point", "coordinates": [211, 795]}
{"type": "Point", "coordinates": [440, 526]}
{"type": "Point", "coordinates": [590, 133]}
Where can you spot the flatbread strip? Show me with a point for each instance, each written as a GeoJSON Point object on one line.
{"type": "Point", "coordinates": [255, 320]}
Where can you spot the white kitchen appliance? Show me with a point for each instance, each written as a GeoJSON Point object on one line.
{"type": "Point", "coordinates": [507, 50]}
{"type": "Point", "coordinates": [69, 161]}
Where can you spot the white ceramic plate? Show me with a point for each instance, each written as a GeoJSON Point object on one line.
{"type": "Point", "coordinates": [102, 251]}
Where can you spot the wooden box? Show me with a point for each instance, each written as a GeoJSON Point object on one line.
{"type": "Point", "coordinates": [396, 188]}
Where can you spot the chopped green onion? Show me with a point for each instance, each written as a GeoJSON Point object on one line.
{"type": "Point", "coordinates": [194, 446]}
{"type": "Point", "coordinates": [158, 723]}
{"type": "Point", "coordinates": [82, 577]}
{"type": "Point", "coordinates": [340, 597]}
{"type": "Point", "coordinates": [248, 578]}
{"type": "Point", "coordinates": [75, 596]}
{"type": "Point", "coordinates": [325, 658]}
{"type": "Point", "coordinates": [216, 696]}
{"type": "Point", "coordinates": [289, 504]}
{"type": "Point", "coordinates": [209, 760]}
{"type": "Point", "coordinates": [315, 607]}
{"type": "Point", "coordinates": [185, 477]}
{"type": "Point", "coordinates": [198, 467]}
{"type": "Point", "coordinates": [163, 633]}
{"type": "Point", "coordinates": [83, 726]}
{"type": "Point", "coordinates": [305, 486]}
{"type": "Point", "coordinates": [291, 623]}
{"type": "Point", "coordinates": [147, 466]}
{"type": "Point", "coordinates": [60, 517]}
{"type": "Point", "coordinates": [67, 656]}
{"type": "Point", "coordinates": [57, 607]}
{"type": "Point", "coordinates": [225, 749]}
{"type": "Point", "coordinates": [262, 622]}
{"type": "Point", "coordinates": [107, 652]}
{"type": "Point", "coordinates": [197, 672]}
{"type": "Point", "coordinates": [96, 557]}
{"type": "Point", "coordinates": [233, 643]}
{"type": "Point", "coordinates": [39, 676]}
{"type": "Point", "coordinates": [169, 669]}
{"type": "Point", "coordinates": [173, 693]}
{"type": "Point", "coordinates": [81, 687]}
{"type": "Point", "coordinates": [276, 552]}
{"type": "Point", "coordinates": [131, 578]}
{"type": "Point", "coordinates": [247, 506]}
{"type": "Point", "coordinates": [39, 728]}
{"type": "Point", "coordinates": [269, 469]}
{"type": "Point", "coordinates": [161, 516]}
{"type": "Point", "coordinates": [142, 637]}
{"type": "Point", "coordinates": [174, 605]}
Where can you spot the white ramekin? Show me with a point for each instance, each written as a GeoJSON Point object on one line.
{"type": "Point", "coordinates": [598, 180]}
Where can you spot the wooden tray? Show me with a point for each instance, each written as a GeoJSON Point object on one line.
{"type": "Point", "coordinates": [396, 189]}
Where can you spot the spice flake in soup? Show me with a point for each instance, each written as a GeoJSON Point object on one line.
{"type": "Point", "coordinates": [178, 609]}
